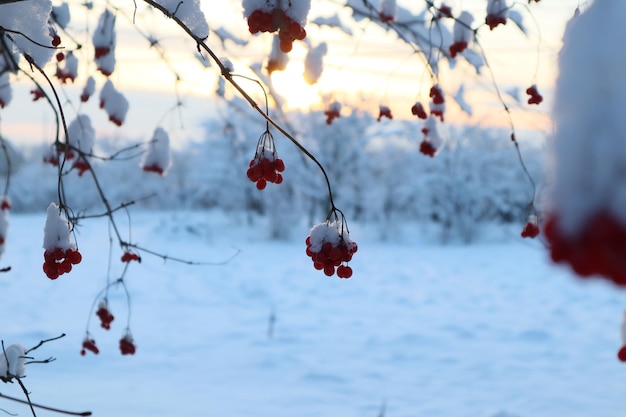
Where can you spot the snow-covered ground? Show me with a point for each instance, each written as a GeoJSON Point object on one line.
{"type": "Point", "coordinates": [491, 329]}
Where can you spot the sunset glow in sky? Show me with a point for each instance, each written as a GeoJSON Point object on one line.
{"type": "Point", "coordinates": [368, 69]}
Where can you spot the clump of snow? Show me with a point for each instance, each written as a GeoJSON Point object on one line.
{"type": "Point", "coordinates": [313, 63]}
{"type": "Point", "coordinates": [297, 10]}
{"type": "Point", "coordinates": [190, 14]}
{"type": "Point", "coordinates": [56, 231]}
{"type": "Point", "coordinates": [104, 41]}
{"type": "Point", "coordinates": [88, 89]}
{"type": "Point", "coordinates": [12, 362]}
{"type": "Point", "coordinates": [157, 158]}
{"type": "Point", "coordinates": [114, 103]}
{"type": "Point", "coordinates": [81, 134]}
{"type": "Point", "coordinates": [61, 14]}
{"type": "Point", "coordinates": [333, 21]}
{"type": "Point", "coordinates": [69, 70]}
{"type": "Point", "coordinates": [30, 18]}
{"type": "Point", "coordinates": [6, 92]}
{"type": "Point", "coordinates": [588, 149]}
{"type": "Point", "coordinates": [462, 29]}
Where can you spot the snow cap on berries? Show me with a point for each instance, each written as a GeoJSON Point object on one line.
{"type": "Point", "coordinates": [81, 133]}
{"type": "Point", "coordinates": [88, 89]}
{"type": "Point", "coordinates": [388, 11]}
{"type": "Point", "coordinates": [12, 362]}
{"type": "Point", "coordinates": [56, 232]}
{"type": "Point", "coordinates": [332, 232]}
{"type": "Point", "coordinates": [114, 103]}
{"type": "Point", "coordinates": [104, 40]}
{"type": "Point", "coordinates": [157, 157]}
{"type": "Point", "coordinates": [462, 33]}
{"type": "Point", "coordinates": [30, 19]}
{"type": "Point", "coordinates": [588, 147]}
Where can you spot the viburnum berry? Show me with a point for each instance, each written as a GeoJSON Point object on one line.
{"type": "Point", "coordinates": [37, 93]}
{"type": "Point", "coordinates": [265, 166]}
{"type": "Point", "coordinates": [535, 97]}
{"type": "Point", "coordinates": [5, 203]}
{"type": "Point", "coordinates": [56, 40]}
{"type": "Point", "coordinates": [330, 248]}
{"type": "Point", "coordinates": [333, 112]}
{"type": "Point", "coordinates": [598, 249]}
{"type": "Point", "coordinates": [427, 148]}
{"type": "Point", "coordinates": [621, 354]}
{"type": "Point", "coordinates": [89, 344]}
{"type": "Point", "coordinates": [127, 344]}
{"type": "Point", "coordinates": [130, 256]}
{"type": "Point", "coordinates": [531, 229]}
{"type": "Point", "coordinates": [384, 111]}
{"type": "Point", "coordinates": [104, 314]}
{"type": "Point", "coordinates": [444, 11]}
{"type": "Point", "coordinates": [418, 110]}
{"type": "Point", "coordinates": [457, 47]}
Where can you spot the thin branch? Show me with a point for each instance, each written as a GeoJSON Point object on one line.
{"type": "Point", "coordinates": [44, 407]}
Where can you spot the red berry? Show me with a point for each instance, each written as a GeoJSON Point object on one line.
{"type": "Point", "coordinates": [261, 184]}
{"type": "Point", "coordinates": [621, 355]}
{"type": "Point", "coordinates": [286, 45]}
{"type": "Point", "coordinates": [56, 40]}
{"type": "Point", "coordinates": [329, 270]}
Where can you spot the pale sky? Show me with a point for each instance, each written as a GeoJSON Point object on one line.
{"type": "Point", "coordinates": [368, 69]}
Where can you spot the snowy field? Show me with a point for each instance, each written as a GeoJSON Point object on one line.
{"type": "Point", "coordinates": [421, 330]}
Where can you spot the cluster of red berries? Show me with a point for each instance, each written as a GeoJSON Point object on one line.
{"type": "Point", "coordinates": [418, 110]}
{"type": "Point", "coordinates": [385, 18]}
{"type": "Point", "coordinates": [444, 11]}
{"type": "Point", "coordinates": [59, 261]}
{"type": "Point", "coordinates": [438, 101]}
{"type": "Point", "coordinates": [81, 165]}
{"type": "Point", "coordinates": [64, 76]}
{"type": "Point", "coordinates": [493, 20]}
{"type": "Point", "coordinates": [331, 257]}
{"type": "Point", "coordinates": [333, 112]}
{"type": "Point", "coordinates": [277, 20]}
{"type": "Point", "coordinates": [457, 47]}
{"type": "Point", "coordinates": [535, 97]}
{"type": "Point", "coordinates": [598, 249]}
{"type": "Point", "coordinates": [127, 344]}
{"type": "Point", "coordinates": [129, 256]}
{"type": "Point", "coordinates": [152, 168]}
{"type": "Point", "coordinates": [89, 345]}
{"type": "Point", "coordinates": [531, 230]}
{"type": "Point", "coordinates": [105, 316]}
{"type": "Point", "coordinates": [427, 148]}
{"type": "Point", "coordinates": [384, 111]}
{"type": "Point", "coordinates": [37, 93]}
{"type": "Point", "coordinates": [263, 170]}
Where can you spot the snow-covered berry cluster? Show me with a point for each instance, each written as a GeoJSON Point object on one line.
{"type": "Point", "coordinates": [333, 112]}
{"type": "Point", "coordinates": [89, 344]}
{"type": "Point", "coordinates": [266, 166]}
{"type": "Point", "coordinates": [104, 40]}
{"type": "Point", "coordinates": [12, 362]}
{"type": "Point", "coordinates": [535, 97]}
{"type": "Point", "coordinates": [104, 314]}
{"type": "Point", "coordinates": [462, 33]}
{"type": "Point", "coordinates": [432, 140]}
{"type": "Point", "coordinates": [598, 249]}
{"type": "Point", "coordinates": [114, 103]}
{"type": "Point", "coordinates": [60, 254]}
{"type": "Point", "coordinates": [127, 344]}
{"type": "Point", "coordinates": [274, 20]}
{"type": "Point", "coordinates": [384, 111]}
{"type": "Point", "coordinates": [388, 11]}
{"type": "Point", "coordinates": [69, 70]}
{"type": "Point", "coordinates": [438, 102]}
{"type": "Point", "coordinates": [419, 111]}
{"type": "Point", "coordinates": [531, 229]}
{"type": "Point", "coordinates": [497, 13]}
{"type": "Point", "coordinates": [330, 247]}
{"type": "Point", "coordinates": [157, 158]}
